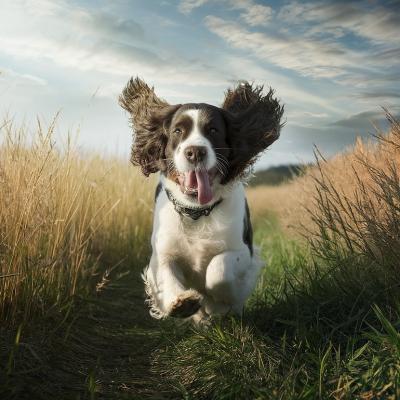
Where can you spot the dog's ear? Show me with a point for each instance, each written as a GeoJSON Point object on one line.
{"type": "Point", "coordinates": [150, 117]}
{"type": "Point", "coordinates": [253, 121]}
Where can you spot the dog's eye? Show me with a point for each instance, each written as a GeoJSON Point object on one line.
{"type": "Point", "coordinates": [213, 130]}
{"type": "Point", "coordinates": [177, 131]}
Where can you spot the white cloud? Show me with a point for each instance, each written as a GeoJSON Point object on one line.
{"type": "Point", "coordinates": [252, 13]}
{"type": "Point", "coordinates": [360, 71]}
{"type": "Point", "coordinates": [364, 121]}
{"type": "Point", "coordinates": [113, 60]}
{"type": "Point", "coordinates": [97, 42]}
{"type": "Point", "coordinates": [187, 6]}
{"type": "Point", "coordinates": [89, 49]}
{"type": "Point", "coordinates": [286, 88]}
{"type": "Point", "coordinates": [256, 14]}
{"type": "Point", "coordinates": [9, 76]}
{"type": "Point", "coordinates": [375, 23]}
{"type": "Point", "coordinates": [316, 115]}
{"type": "Point", "coordinates": [314, 58]}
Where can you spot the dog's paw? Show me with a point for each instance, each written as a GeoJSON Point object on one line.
{"type": "Point", "coordinates": [201, 320]}
{"type": "Point", "coordinates": [186, 304]}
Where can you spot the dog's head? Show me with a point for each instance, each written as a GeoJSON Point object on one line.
{"type": "Point", "coordinates": [199, 146]}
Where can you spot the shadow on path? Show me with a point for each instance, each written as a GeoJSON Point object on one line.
{"type": "Point", "coordinates": [103, 351]}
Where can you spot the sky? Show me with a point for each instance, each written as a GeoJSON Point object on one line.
{"type": "Point", "coordinates": [333, 64]}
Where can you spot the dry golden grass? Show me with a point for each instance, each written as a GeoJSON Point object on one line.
{"type": "Point", "coordinates": [326, 323]}
{"type": "Point", "coordinates": [61, 216]}
{"type": "Point", "coordinates": [348, 194]}
{"type": "Point", "coordinates": [270, 199]}
{"type": "Point", "coordinates": [333, 303]}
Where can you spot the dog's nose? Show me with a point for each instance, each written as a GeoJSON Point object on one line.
{"type": "Point", "coordinates": [195, 154]}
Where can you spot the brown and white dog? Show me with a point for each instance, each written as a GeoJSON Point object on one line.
{"type": "Point", "coordinates": [203, 262]}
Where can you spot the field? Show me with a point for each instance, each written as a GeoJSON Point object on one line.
{"type": "Point", "coordinates": [74, 236]}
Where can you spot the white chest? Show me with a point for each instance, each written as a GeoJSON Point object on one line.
{"type": "Point", "coordinates": [195, 243]}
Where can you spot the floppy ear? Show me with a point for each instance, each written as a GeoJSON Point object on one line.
{"type": "Point", "coordinates": [254, 123]}
{"type": "Point", "coordinates": [150, 117]}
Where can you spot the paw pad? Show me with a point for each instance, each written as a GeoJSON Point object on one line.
{"type": "Point", "coordinates": [186, 304]}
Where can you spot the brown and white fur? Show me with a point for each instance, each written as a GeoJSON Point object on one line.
{"type": "Point", "coordinates": [206, 266]}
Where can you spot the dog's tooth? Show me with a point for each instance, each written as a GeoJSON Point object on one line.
{"type": "Point", "coordinates": [187, 190]}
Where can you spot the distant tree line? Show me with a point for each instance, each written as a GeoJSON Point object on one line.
{"type": "Point", "coordinates": [277, 175]}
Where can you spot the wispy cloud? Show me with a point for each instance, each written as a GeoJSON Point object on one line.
{"type": "Point", "coordinates": [309, 58]}
{"type": "Point", "coordinates": [369, 20]}
{"type": "Point", "coordinates": [361, 121]}
{"type": "Point", "coordinates": [316, 40]}
{"type": "Point", "coordinates": [12, 77]}
{"type": "Point", "coordinates": [101, 42]}
{"type": "Point", "coordinates": [187, 6]}
{"type": "Point", "coordinates": [288, 89]}
{"type": "Point", "coordinates": [380, 94]}
{"type": "Point", "coordinates": [326, 60]}
{"type": "Point", "coordinates": [252, 13]}
{"type": "Point", "coordinates": [316, 115]}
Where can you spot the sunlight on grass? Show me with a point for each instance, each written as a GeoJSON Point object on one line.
{"type": "Point", "coordinates": [323, 321]}
{"type": "Point", "coordinates": [61, 215]}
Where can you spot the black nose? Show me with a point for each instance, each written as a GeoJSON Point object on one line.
{"type": "Point", "coordinates": [195, 154]}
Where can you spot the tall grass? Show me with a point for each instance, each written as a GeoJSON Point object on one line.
{"type": "Point", "coordinates": [65, 220]}
{"type": "Point", "coordinates": [324, 321]}
{"type": "Point", "coordinates": [357, 207]}
{"type": "Point", "coordinates": [348, 211]}
{"type": "Point", "coordinates": [348, 186]}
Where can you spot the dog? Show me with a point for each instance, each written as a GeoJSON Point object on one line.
{"type": "Point", "coordinates": [203, 262]}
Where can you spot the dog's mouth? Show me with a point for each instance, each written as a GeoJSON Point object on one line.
{"type": "Point", "coordinates": [198, 184]}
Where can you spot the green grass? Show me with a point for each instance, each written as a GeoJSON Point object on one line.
{"type": "Point", "coordinates": [309, 331]}
{"type": "Point", "coordinates": [98, 347]}
{"type": "Point", "coordinates": [323, 322]}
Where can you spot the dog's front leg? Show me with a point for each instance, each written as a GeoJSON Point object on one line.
{"type": "Point", "coordinates": [230, 278]}
{"type": "Point", "coordinates": [165, 284]}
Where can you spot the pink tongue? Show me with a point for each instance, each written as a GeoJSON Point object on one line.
{"type": "Point", "coordinates": [199, 180]}
{"type": "Point", "coordinates": [204, 194]}
{"type": "Point", "coordinates": [191, 180]}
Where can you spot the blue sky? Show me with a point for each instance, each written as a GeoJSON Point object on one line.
{"type": "Point", "coordinates": [333, 64]}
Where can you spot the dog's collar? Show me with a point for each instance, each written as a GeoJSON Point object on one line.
{"type": "Point", "coordinates": [192, 212]}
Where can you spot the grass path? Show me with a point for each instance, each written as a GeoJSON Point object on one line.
{"type": "Point", "coordinates": [103, 352]}
{"type": "Point", "coordinates": [304, 335]}
{"type": "Point", "coordinates": [99, 347]}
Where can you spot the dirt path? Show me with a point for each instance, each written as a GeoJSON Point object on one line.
{"type": "Point", "coordinates": [104, 351]}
